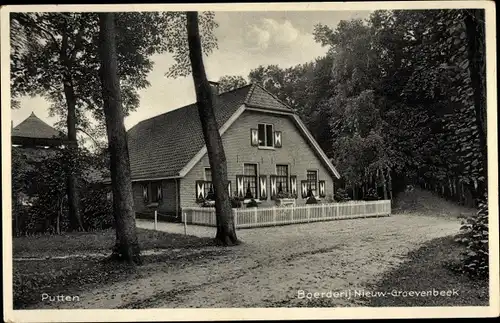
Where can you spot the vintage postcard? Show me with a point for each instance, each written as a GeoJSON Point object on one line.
{"type": "Point", "coordinates": [249, 161]}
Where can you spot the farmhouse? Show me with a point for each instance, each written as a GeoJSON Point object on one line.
{"type": "Point", "coordinates": [269, 153]}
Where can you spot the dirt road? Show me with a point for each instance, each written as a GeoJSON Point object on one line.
{"type": "Point", "coordinates": [276, 265]}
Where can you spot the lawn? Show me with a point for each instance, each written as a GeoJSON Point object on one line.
{"type": "Point", "coordinates": [426, 203]}
{"type": "Point", "coordinates": [432, 267]}
{"type": "Point", "coordinates": [73, 275]}
{"type": "Point", "coordinates": [98, 242]}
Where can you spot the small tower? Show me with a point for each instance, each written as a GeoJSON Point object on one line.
{"type": "Point", "coordinates": [33, 132]}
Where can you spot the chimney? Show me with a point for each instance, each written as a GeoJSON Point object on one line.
{"type": "Point", "coordinates": [214, 87]}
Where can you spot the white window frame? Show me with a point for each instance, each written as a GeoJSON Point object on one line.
{"type": "Point", "coordinates": [265, 146]}
{"type": "Point", "coordinates": [205, 173]}
{"type": "Point", "coordinates": [316, 191]}
{"type": "Point", "coordinates": [287, 175]}
{"type": "Point", "coordinates": [257, 184]}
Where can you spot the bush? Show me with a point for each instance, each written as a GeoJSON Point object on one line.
{"type": "Point", "coordinates": [39, 177]}
{"type": "Point", "coordinates": [235, 202]}
{"type": "Point", "coordinates": [207, 203]}
{"type": "Point", "coordinates": [311, 200]}
{"type": "Point", "coordinates": [97, 210]}
{"type": "Point", "coordinates": [372, 195]}
{"type": "Point", "coordinates": [329, 199]}
{"type": "Point", "coordinates": [475, 237]}
{"type": "Point", "coordinates": [252, 203]}
{"type": "Point", "coordinates": [284, 195]}
{"type": "Point", "coordinates": [341, 195]}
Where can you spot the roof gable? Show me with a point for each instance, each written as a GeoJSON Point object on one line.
{"type": "Point", "coordinates": [259, 97]}
{"type": "Point", "coordinates": [168, 145]}
{"type": "Point", "coordinates": [34, 127]}
{"type": "Point", "coordinates": [161, 146]}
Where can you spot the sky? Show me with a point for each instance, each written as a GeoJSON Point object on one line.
{"type": "Point", "coordinates": [245, 41]}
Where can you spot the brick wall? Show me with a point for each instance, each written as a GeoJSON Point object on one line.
{"type": "Point", "coordinates": [295, 152]}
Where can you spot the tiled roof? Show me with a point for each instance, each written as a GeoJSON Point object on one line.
{"type": "Point", "coordinates": [258, 97]}
{"type": "Point", "coordinates": [33, 127]}
{"type": "Point", "coordinates": [163, 145]}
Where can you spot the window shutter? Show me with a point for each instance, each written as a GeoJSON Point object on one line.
{"type": "Point", "coordinates": [239, 186]}
{"type": "Point", "coordinates": [200, 191]}
{"type": "Point", "coordinates": [321, 189]}
{"type": "Point", "coordinates": [159, 193]}
{"type": "Point", "coordinates": [274, 190]}
{"type": "Point", "coordinates": [277, 139]}
{"type": "Point", "coordinates": [304, 188]}
{"type": "Point", "coordinates": [254, 137]}
{"type": "Point", "coordinates": [145, 192]}
{"type": "Point", "coordinates": [229, 189]}
{"type": "Point", "coordinates": [293, 185]}
{"type": "Point", "coordinates": [263, 187]}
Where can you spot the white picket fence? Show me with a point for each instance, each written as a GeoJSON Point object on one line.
{"type": "Point", "coordinates": [260, 217]}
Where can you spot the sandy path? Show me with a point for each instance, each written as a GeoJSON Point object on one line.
{"type": "Point", "coordinates": [275, 263]}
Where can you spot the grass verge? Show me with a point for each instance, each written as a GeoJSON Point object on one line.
{"type": "Point", "coordinates": [99, 242]}
{"type": "Point", "coordinates": [73, 276]}
{"type": "Point", "coordinates": [431, 267]}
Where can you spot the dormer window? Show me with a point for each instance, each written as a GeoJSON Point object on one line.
{"type": "Point", "coordinates": [266, 135]}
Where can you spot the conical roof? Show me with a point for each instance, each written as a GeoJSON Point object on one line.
{"type": "Point", "coordinates": [34, 127]}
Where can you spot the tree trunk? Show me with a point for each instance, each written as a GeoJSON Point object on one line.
{"type": "Point", "coordinates": [368, 182]}
{"type": "Point", "coordinates": [384, 184]}
{"type": "Point", "coordinates": [59, 214]}
{"type": "Point", "coordinates": [475, 29]}
{"type": "Point", "coordinates": [72, 189]}
{"type": "Point", "coordinates": [226, 232]}
{"type": "Point", "coordinates": [127, 245]}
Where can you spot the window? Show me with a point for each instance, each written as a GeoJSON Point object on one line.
{"type": "Point", "coordinates": [154, 196]}
{"type": "Point", "coordinates": [208, 174]}
{"type": "Point", "coordinates": [282, 178]}
{"type": "Point", "coordinates": [266, 135]}
{"type": "Point", "coordinates": [312, 180]}
{"type": "Point", "coordinates": [207, 186]}
{"type": "Point", "coordinates": [250, 180]}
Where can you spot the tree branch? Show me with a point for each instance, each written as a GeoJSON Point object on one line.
{"type": "Point", "coordinates": [85, 132]}
{"type": "Point", "coordinates": [29, 23]}
{"type": "Point", "coordinates": [78, 42]}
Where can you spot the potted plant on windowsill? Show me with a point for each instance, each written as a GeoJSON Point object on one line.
{"type": "Point", "coordinates": [249, 198]}
{"type": "Point", "coordinates": [312, 198]}
{"type": "Point", "coordinates": [209, 200]}
{"type": "Point", "coordinates": [284, 198]}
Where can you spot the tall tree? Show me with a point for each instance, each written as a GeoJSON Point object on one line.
{"type": "Point", "coordinates": [55, 55]}
{"type": "Point", "coordinates": [231, 82]}
{"type": "Point", "coordinates": [226, 233]}
{"type": "Point", "coordinates": [127, 245]}
{"type": "Point", "coordinates": [476, 53]}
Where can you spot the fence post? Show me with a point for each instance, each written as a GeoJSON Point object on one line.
{"type": "Point", "coordinates": [308, 212]}
{"type": "Point", "coordinates": [235, 218]}
{"type": "Point", "coordinates": [323, 210]}
{"type": "Point", "coordinates": [255, 216]}
{"type": "Point", "coordinates": [156, 220]}
{"type": "Point", "coordinates": [185, 223]}
{"type": "Point", "coordinates": [274, 215]}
